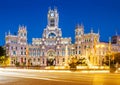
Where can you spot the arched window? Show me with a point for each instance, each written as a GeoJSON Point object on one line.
{"type": "Point", "coordinates": [38, 59]}
{"type": "Point", "coordinates": [63, 59]}
{"type": "Point", "coordinates": [34, 59]}
{"type": "Point", "coordinates": [24, 34]}
{"type": "Point", "coordinates": [51, 35]}
{"type": "Point", "coordinates": [52, 22]}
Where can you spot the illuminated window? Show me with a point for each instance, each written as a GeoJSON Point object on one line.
{"type": "Point", "coordinates": [21, 34]}
{"type": "Point", "coordinates": [24, 34]}
{"type": "Point", "coordinates": [76, 52]}
{"type": "Point", "coordinates": [51, 35]}
{"type": "Point", "coordinates": [14, 52]}
{"type": "Point", "coordinates": [34, 60]}
{"type": "Point", "coordinates": [11, 48]}
{"type": "Point", "coordinates": [42, 53]}
{"type": "Point", "coordinates": [58, 53]}
{"type": "Point", "coordinates": [21, 52]}
{"type": "Point", "coordinates": [38, 59]}
{"type": "Point", "coordinates": [63, 59]}
{"type": "Point", "coordinates": [52, 22]}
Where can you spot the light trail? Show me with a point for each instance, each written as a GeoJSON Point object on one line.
{"type": "Point", "coordinates": [83, 77]}
{"type": "Point", "coordinates": [21, 75]}
{"type": "Point", "coordinates": [57, 71]}
{"type": "Point", "coordinates": [30, 70]}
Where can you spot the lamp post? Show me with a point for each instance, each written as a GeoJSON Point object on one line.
{"type": "Point", "coordinates": [100, 48]}
{"type": "Point", "coordinates": [95, 43]}
{"type": "Point", "coordinates": [27, 60]}
{"type": "Point", "coordinates": [109, 50]}
{"type": "Point", "coordinates": [66, 55]}
{"type": "Point", "coordinates": [109, 60]}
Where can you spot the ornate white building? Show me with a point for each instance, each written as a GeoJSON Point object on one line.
{"type": "Point", "coordinates": [85, 44]}
{"type": "Point", "coordinates": [45, 51]}
{"type": "Point", "coordinates": [52, 48]}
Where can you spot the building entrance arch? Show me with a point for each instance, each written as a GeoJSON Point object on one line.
{"type": "Point", "coordinates": [51, 58]}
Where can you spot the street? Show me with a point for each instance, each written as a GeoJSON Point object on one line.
{"type": "Point", "coordinates": [52, 77]}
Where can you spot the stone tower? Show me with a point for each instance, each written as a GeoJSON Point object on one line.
{"type": "Point", "coordinates": [53, 18]}
{"type": "Point", "coordinates": [22, 35]}
{"type": "Point", "coordinates": [79, 32]}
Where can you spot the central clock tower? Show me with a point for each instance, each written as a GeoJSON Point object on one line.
{"type": "Point", "coordinates": [52, 30]}
{"type": "Point", "coordinates": [53, 18]}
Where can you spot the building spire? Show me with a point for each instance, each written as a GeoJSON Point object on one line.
{"type": "Point", "coordinates": [80, 26]}
{"type": "Point", "coordinates": [116, 33]}
{"type": "Point", "coordinates": [9, 32]}
{"type": "Point", "coordinates": [91, 30]}
{"type": "Point", "coordinates": [109, 44]}
{"type": "Point", "coordinates": [77, 26]}
{"type": "Point", "coordinates": [98, 31]}
{"type": "Point", "coordinates": [109, 39]}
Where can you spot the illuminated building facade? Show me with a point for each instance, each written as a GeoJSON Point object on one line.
{"type": "Point", "coordinates": [45, 51]}
{"type": "Point", "coordinates": [52, 48]}
{"type": "Point", "coordinates": [85, 44]}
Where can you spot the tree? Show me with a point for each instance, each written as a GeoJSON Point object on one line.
{"type": "Point", "coordinates": [108, 59]}
{"type": "Point", "coordinates": [82, 61]}
{"type": "Point", "coordinates": [117, 57]}
{"type": "Point", "coordinates": [112, 59]}
{"type": "Point", "coordinates": [4, 60]}
{"type": "Point", "coordinates": [2, 51]}
{"type": "Point", "coordinates": [73, 63]}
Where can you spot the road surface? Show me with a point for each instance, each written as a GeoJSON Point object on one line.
{"type": "Point", "coordinates": [51, 77]}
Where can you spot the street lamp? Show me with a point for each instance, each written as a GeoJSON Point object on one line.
{"type": "Point", "coordinates": [109, 49]}
{"type": "Point", "coordinates": [66, 55]}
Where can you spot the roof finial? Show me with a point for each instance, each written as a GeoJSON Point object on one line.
{"type": "Point", "coordinates": [49, 9]}
{"type": "Point", "coordinates": [9, 32]}
{"type": "Point", "coordinates": [91, 30]}
{"type": "Point", "coordinates": [77, 26]}
{"type": "Point", "coordinates": [116, 32]}
{"type": "Point", "coordinates": [19, 26]}
{"type": "Point", "coordinates": [25, 27]}
{"type": "Point", "coordinates": [109, 39]}
{"type": "Point", "coordinates": [98, 31]}
{"type": "Point", "coordinates": [109, 44]}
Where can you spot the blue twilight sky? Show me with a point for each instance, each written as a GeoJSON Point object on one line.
{"type": "Point", "coordinates": [96, 14]}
